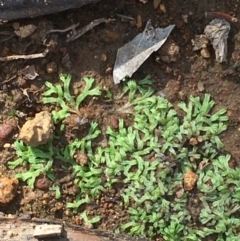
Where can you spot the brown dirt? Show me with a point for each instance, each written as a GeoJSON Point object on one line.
{"type": "Point", "coordinates": [93, 55]}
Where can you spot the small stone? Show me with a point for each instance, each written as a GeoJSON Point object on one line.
{"type": "Point", "coordinates": [163, 8]}
{"type": "Point", "coordinates": [169, 52]}
{"type": "Point", "coordinates": [200, 86]}
{"type": "Point", "coordinates": [46, 195]}
{"type": "Point", "coordinates": [200, 139]}
{"type": "Point", "coordinates": [185, 18]}
{"type": "Point", "coordinates": [104, 57]}
{"type": "Point", "coordinates": [189, 180]}
{"type": "Point", "coordinates": [200, 42]}
{"type": "Point", "coordinates": [25, 31]}
{"type": "Point", "coordinates": [8, 189]}
{"type": "Point", "coordinates": [37, 131]}
{"type": "Point", "coordinates": [5, 131]}
{"type": "Point", "coordinates": [193, 141]}
{"type": "Point", "coordinates": [205, 53]}
{"type": "Point", "coordinates": [80, 158]}
{"type": "Point", "coordinates": [59, 206]}
{"type": "Point", "coordinates": [7, 145]}
{"type": "Point", "coordinates": [68, 212]}
{"type": "Point", "coordinates": [42, 183]}
{"type": "Point", "coordinates": [51, 68]}
{"type": "Point", "coordinates": [180, 193]}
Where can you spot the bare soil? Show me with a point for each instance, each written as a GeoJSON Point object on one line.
{"type": "Point", "coordinates": [93, 55]}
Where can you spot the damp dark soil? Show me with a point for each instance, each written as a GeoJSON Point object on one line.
{"type": "Point", "coordinates": [93, 55]}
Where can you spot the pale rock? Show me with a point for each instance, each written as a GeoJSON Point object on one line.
{"type": "Point", "coordinates": [37, 131]}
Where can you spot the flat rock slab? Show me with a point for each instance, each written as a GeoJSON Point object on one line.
{"type": "Point", "coordinates": [16, 9]}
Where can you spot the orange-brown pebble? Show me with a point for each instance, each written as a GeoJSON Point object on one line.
{"type": "Point", "coordinates": [189, 180]}
{"type": "Point", "coordinates": [193, 141]}
{"type": "Point", "coordinates": [8, 188]}
{"type": "Point", "coordinates": [42, 183]}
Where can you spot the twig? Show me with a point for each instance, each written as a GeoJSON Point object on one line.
{"type": "Point", "coordinates": [72, 27]}
{"type": "Point", "coordinates": [28, 56]}
{"type": "Point", "coordinates": [125, 17]}
{"type": "Point", "coordinates": [8, 35]}
{"type": "Point", "coordinates": [7, 80]}
{"type": "Point", "coordinates": [90, 26]}
{"type": "Point", "coordinates": [224, 16]}
{"type": "Point", "coordinates": [76, 34]}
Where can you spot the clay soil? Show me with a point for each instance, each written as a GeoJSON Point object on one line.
{"type": "Point", "coordinates": [93, 55]}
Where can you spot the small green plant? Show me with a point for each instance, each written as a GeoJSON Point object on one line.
{"type": "Point", "coordinates": [89, 221]}
{"type": "Point", "coordinates": [57, 191]}
{"type": "Point", "coordinates": [39, 161]}
{"type": "Point", "coordinates": [158, 132]}
{"type": "Point", "coordinates": [221, 199]}
{"type": "Point", "coordinates": [60, 95]}
{"type": "Point", "coordinates": [173, 231]}
{"type": "Point", "coordinates": [78, 202]}
{"type": "Point", "coordinates": [148, 160]}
